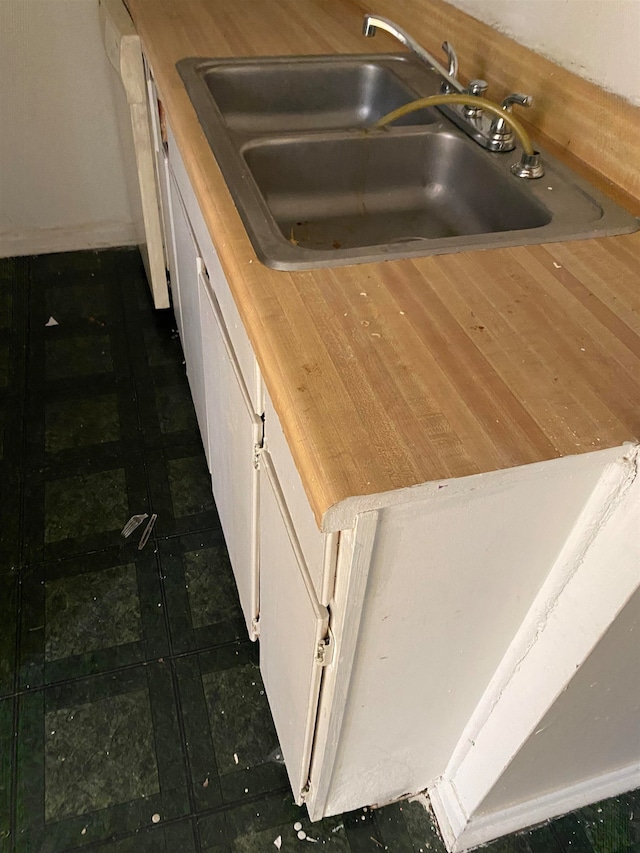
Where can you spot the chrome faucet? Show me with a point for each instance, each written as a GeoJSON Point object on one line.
{"type": "Point", "coordinates": [449, 78]}
{"type": "Point", "coordinates": [493, 133]}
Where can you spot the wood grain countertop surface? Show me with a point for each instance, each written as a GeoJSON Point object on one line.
{"type": "Point", "coordinates": [392, 374]}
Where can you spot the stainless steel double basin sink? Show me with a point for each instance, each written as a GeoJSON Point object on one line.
{"type": "Point", "coordinates": [316, 186]}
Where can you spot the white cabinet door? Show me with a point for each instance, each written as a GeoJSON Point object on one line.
{"type": "Point", "coordinates": [312, 540]}
{"type": "Point", "coordinates": [293, 629]}
{"type": "Point", "coordinates": [237, 334]}
{"type": "Point", "coordinates": [164, 184]}
{"type": "Point", "coordinates": [233, 433]}
{"type": "Point", "coordinates": [161, 161]}
{"type": "Point", "coordinates": [188, 264]}
{"type": "Point", "coordinates": [161, 166]}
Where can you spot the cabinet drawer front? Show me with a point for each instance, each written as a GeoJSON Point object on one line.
{"type": "Point", "coordinates": [312, 541]}
{"type": "Point", "coordinates": [242, 347]}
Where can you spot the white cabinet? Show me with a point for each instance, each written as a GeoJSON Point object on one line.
{"type": "Point", "coordinates": [278, 554]}
{"type": "Point", "coordinates": [122, 46]}
{"type": "Point", "coordinates": [419, 639]}
{"type": "Point", "coordinates": [186, 274]}
{"type": "Point", "coordinates": [230, 427]}
{"type": "Point", "coordinates": [233, 434]}
{"type": "Point", "coordinates": [161, 166]}
{"type": "Point", "coordinates": [242, 348]}
{"type": "Point", "coordinates": [293, 630]}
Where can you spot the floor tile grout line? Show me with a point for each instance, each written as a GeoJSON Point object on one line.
{"type": "Point", "coordinates": [165, 537]}
{"type": "Point", "coordinates": [24, 397]}
{"type": "Point", "coordinates": [248, 800]}
{"type": "Point", "coordinates": [13, 795]}
{"type": "Point", "coordinates": [163, 597]}
{"type": "Point", "coordinates": [195, 834]}
{"type": "Point", "coordinates": [183, 738]}
{"type": "Point", "coordinates": [174, 656]}
{"type": "Point", "coordinates": [194, 816]}
{"type": "Point", "coordinates": [125, 836]}
{"type": "Point", "coordinates": [24, 308]}
{"type": "Point", "coordinates": [174, 678]}
{"type": "Point", "coordinates": [18, 629]}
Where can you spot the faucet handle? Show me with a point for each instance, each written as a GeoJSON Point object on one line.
{"type": "Point", "coordinates": [500, 130]}
{"type": "Point", "coordinates": [516, 98]}
{"type": "Point", "coordinates": [477, 87]}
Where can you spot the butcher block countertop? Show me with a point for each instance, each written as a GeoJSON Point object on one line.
{"type": "Point", "coordinates": [392, 374]}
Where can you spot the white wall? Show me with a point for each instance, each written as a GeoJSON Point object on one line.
{"type": "Point", "coordinates": [592, 730]}
{"type": "Point", "coordinates": [597, 39]}
{"type": "Point", "coordinates": [62, 175]}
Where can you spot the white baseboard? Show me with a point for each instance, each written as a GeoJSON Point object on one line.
{"type": "Point", "coordinates": [42, 241]}
{"type": "Point", "coordinates": [487, 827]}
{"type": "Point", "coordinates": [449, 813]}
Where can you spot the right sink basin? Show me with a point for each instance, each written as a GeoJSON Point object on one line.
{"type": "Point", "coordinates": [316, 187]}
{"type": "Point", "coordinates": [330, 192]}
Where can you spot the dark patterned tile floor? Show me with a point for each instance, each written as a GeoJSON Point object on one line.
{"type": "Point", "coordinates": [132, 714]}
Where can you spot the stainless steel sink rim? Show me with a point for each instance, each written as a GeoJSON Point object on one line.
{"type": "Point", "coordinates": [233, 144]}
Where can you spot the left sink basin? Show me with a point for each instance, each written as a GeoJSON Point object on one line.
{"type": "Point", "coordinates": [275, 95]}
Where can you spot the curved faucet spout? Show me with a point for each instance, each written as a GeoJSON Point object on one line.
{"type": "Point", "coordinates": [465, 106]}
{"type": "Point", "coordinates": [373, 22]}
